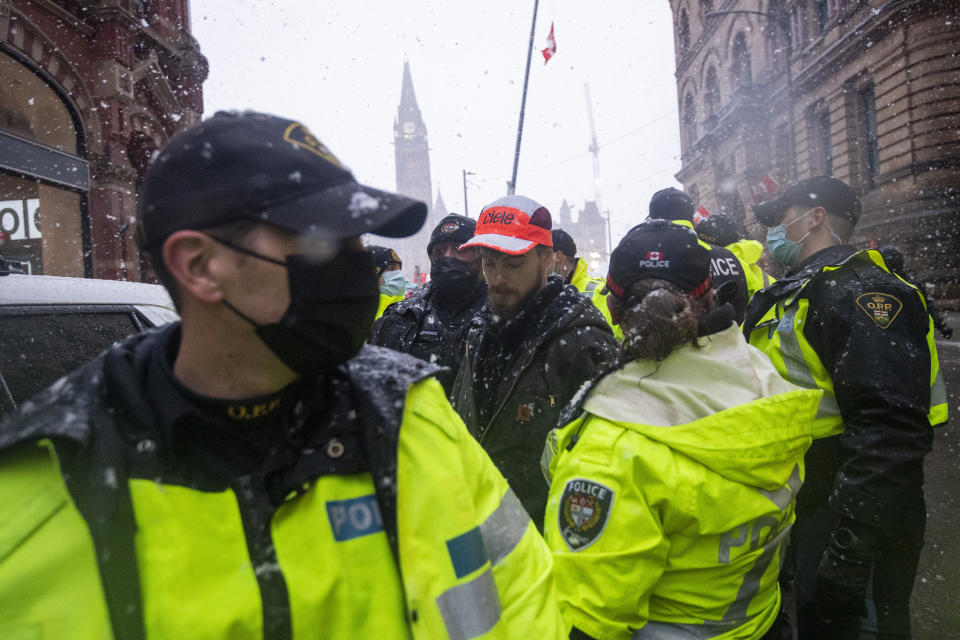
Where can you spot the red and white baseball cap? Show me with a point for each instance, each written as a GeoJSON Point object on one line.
{"type": "Point", "coordinates": [514, 225]}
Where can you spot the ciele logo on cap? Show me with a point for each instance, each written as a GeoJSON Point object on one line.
{"type": "Point", "coordinates": [300, 137]}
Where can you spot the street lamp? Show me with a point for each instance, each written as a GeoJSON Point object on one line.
{"type": "Point", "coordinates": [466, 173]}
{"type": "Point", "coordinates": [782, 20]}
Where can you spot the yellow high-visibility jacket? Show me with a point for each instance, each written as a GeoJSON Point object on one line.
{"type": "Point", "coordinates": [673, 493]}
{"type": "Point", "coordinates": [386, 301]}
{"type": "Point", "coordinates": [470, 562]}
{"type": "Point", "coordinates": [748, 252]}
{"type": "Point", "coordinates": [594, 289]}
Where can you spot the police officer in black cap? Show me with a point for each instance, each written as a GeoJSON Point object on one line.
{"type": "Point", "coordinates": [255, 470]}
{"type": "Point", "coordinates": [431, 323]}
{"type": "Point", "coordinates": [839, 320]}
{"type": "Point", "coordinates": [729, 279]}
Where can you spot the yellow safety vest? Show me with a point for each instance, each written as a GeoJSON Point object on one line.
{"type": "Point", "coordinates": [672, 496]}
{"type": "Point", "coordinates": [748, 252]}
{"type": "Point", "coordinates": [594, 289]}
{"type": "Point", "coordinates": [779, 334]}
{"type": "Point", "coordinates": [472, 564]}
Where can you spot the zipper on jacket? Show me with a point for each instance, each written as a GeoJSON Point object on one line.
{"type": "Point", "coordinates": [256, 512]}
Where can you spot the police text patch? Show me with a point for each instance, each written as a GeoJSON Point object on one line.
{"type": "Point", "coordinates": [354, 518]}
{"type": "Point", "coordinates": [882, 308]}
{"type": "Point", "coordinates": [584, 510]}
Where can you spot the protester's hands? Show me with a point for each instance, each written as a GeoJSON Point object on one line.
{"type": "Point", "coordinates": [844, 570]}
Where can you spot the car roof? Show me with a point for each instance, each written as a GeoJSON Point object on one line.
{"type": "Point", "coordinates": [28, 289]}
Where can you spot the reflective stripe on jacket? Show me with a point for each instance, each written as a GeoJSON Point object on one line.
{"type": "Point", "coordinates": [672, 495]}
{"type": "Point", "coordinates": [472, 564]}
{"type": "Point", "coordinates": [779, 333]}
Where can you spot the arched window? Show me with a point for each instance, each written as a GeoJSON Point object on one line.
{"type": "Point", "coordinates": [42, 175]}
{"type": "Point", "coordinates": [712, 92]}
{"type": "Point", "coordinates": [689, 122]}
{"type": "Point", "coordinates": [740, 71]}
{"type": "Point", "coordinates": [683, 31]}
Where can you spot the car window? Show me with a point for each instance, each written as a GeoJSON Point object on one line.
{"type": "Point", "coordinates": [41, 344]}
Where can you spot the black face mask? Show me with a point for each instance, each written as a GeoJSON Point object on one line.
{"type": "Point", "coordinates": [332, 306]}
{"type": "Point", "coordinates": [454, 280]}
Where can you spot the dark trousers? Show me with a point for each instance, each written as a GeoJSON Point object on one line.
{"type": "Point", "coordinates": [888, 594]}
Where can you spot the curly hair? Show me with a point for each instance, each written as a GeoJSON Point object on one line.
{"type": "Point", "coordinates": [656, 318]}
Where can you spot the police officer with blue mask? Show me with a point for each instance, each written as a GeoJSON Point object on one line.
{"type": "Point", "coordinates": [393, 285]}
{"type": "Point", "coordinates": [841, 321]}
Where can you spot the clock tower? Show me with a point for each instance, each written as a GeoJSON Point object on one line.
{"type": "Point", "coordinates": [413, 174]}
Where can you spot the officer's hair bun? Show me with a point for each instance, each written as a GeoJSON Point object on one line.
{"type": "Point", "coordinates": [656, 319]}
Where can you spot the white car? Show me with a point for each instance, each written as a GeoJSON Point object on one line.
{"type": "Point", "coordinates": [51, 325]}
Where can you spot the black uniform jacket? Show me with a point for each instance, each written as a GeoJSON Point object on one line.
{"type": "Point", "coordinates": [420, 326]}
{"type": "Point", "coordinates": [873, 471]}
{"type": "Point", "coordinates": [517, 376]}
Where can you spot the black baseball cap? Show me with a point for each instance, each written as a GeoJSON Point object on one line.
{"type": "Point", "coordinates": [563, 241]}
{"type": "Point", "coordinates": [671, 204]}
{"type": "Point", "coordinates": [255, 166]}
{"type": "Point", "coordinates": [452, 228]}
{"type": "Point", "coordinates": [383, 257]}
{"type": "Point", "coordinates": [819, 191]}
{"type": "Point", "coordinates": [663, 250]}
{"type": "Point", "coordinates": [719, 230]}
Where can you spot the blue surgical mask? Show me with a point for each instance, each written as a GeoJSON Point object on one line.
{"type": "Point", "coordinates": [394, 284]}
{"type": "Point", "coordinates": [785, 251]}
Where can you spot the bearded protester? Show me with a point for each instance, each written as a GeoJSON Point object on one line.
{"type": "Point", "coordinates": [673, 486]}
{"type": "Point", "coordinates": [431, 324]}
{"type": "Point", "coordinates": [255, 471]}
{"type": "Point", "coordinates": [531, 348]}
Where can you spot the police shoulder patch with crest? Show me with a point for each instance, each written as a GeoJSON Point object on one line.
{"type": "Point", "coordinates": [584, 511]}
{"type": "Point", "coordinates": [882, 308]}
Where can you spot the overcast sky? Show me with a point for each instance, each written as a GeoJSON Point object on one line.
{"type": "Point", "coordinates": [337, 67]}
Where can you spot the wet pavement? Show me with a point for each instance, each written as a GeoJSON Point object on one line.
{"type": "Point", "coordinates": [936, 595]}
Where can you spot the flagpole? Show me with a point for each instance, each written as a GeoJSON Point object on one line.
{"type": "Point", "coordinates": [512, 185]}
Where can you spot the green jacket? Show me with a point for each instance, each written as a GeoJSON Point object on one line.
{"type": "Point", "coordinates": [103, 535]}
{"type": "Point", "coordinates": [673, 493]}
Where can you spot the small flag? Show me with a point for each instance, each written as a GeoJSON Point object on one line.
{"type": "Point", "coordinates": [551, 49]}
{"type": "Point", "coordinates": [765, 189]}
{"type": "Point", "coordinates": [700, 214]}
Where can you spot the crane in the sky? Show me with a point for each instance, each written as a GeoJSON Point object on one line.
{"type": "Point", "coordinates": [595, 150]}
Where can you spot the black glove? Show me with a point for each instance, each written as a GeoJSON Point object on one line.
{"type": "Point", "coordinates": [844, 571]}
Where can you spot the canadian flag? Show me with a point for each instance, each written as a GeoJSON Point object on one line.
{"type": "Point", "coordinates": [700, 214]}
{"type": "Point", "coordinates": [551, 49]}
{"type": "Point", "coordinates": [765, 189]}
{"type": "Point", "coordinates": [654, 255]}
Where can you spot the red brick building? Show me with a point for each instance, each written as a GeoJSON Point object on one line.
{"type": "Point", "coordinates": [90, 88]}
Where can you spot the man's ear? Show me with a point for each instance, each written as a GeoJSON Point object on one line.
{"type": "Point", "coordinates": [817, 217]}
{"type": "Point", "coordinates": [188, 256]}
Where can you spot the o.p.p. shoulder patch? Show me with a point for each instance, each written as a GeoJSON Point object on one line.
{"type": "Point", "coordinates": [584, 511]}
{"type": "Point", "coordinates": [882, 308]}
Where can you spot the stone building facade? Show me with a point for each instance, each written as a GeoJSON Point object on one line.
{"type": "Point", "coordinates": [865, 90]}
{"type": "Point", "coordinates": [91, 88]}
